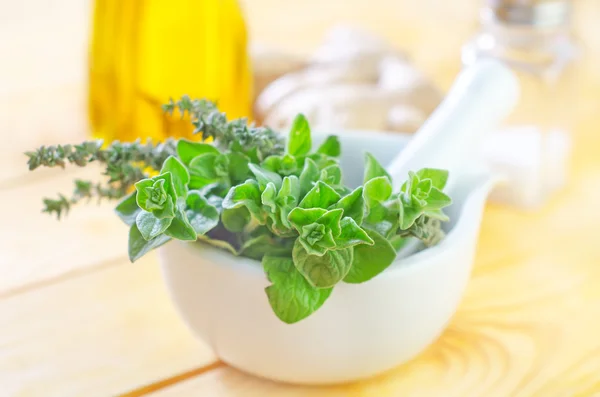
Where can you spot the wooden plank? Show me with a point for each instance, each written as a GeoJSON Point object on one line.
{"type": "Point", "coordinates": [49, 117]}
{"type": "Point", "coordinates": [98, 334]}
{"type": "Point", "coordinates": [36, 247]}
{"type": "Point", "coordinates": [473, 374]}
{"type": "Point", "coordinates": [42, 79]}
{"type": "Point", "coordinates": [43, 45]}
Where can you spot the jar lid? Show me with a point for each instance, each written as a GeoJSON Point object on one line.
{"type": "Point", "coordinates": [541, 13]}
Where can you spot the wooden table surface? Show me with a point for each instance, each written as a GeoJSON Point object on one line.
{"type": "Point", "coordinates": [77, 319]}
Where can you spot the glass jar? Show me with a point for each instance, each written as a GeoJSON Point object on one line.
{"type": "Point", "coordinates": [532, 147]}
{"type": "Point", "coordinates": [144, 52]}
{"type": "Point", "coordinates": [534, 38]}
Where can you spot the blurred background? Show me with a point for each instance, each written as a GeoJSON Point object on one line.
{"type": "Point", "coordinates": [110, 65]}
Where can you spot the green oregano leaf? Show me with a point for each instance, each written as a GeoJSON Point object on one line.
{"type": "Point", "coordinates": [299, 141]}
{"type": "Point", "coordinates": [322, 271]}
{"type": "Point", "coordinates": [370, 260]}
{"type": "Point", "coordinates": [309, 175]}
{"type": "Point", "coordinates": [150, 226]}
{"type": "Point", "coordinates": [157, 195]}
{"type": "Point", "coordinates": [282, 165]}
{"type": "Point", "coordinates": [316, 238]}
{"type": "Point", "coordinates": [202, 170]}
{"type": "Point", "coordinates": [299, 217]}
{"type": "Point", "coordinates": [436, 200]}
{"type": "Point", "coordinates": [268, 198]}
{"type": "Point", "coordinates": [408, 190]}
{"type": "Point", "coordinates": [168, 211]}
{"type": "Point", "coordinates": [291, 297]}
{"type": "Point", "coordinates": [373, 169]}
{"type": "Point", "coordinates": [127, 209]}
{"type": "Point", "coordinates": [438, 177]}
{"type": "Point", "coordinates": [288, 165]}
{"type": "Point", "coordinates": [320, 196]}
{"type": "Point", "coordinates": [331, 175]}
{"type": "Point", "coordinates": [138, 246]}
{"type": "Point", "coordinates": [436, 214]}
{"type": "Point", "coordinates": [264, 176]}
{"type": "Point", "coordinates": [353, 205]}
{"type": "Point", "coordinates": [424, 187]}
{"type": "Point", "coordinates": [330, 147]}
{"type": "Point", "coordinates": [288, 197]}
{"type": "Point", "coordinates": [204, 166]}
{"type": "Point", "coordinates": [375, 192]}
{"type": "Point", "coordinates": [331, 219]}
{"type": "Point", "coordinates": [272, 163]}
{"type": "Point", "coordinates": [202, 216]}
{"type": "Point", "coordinates": [351, 234]}
{"type": "Point", "coordinates": [247, 195]}
{"type": "Point", "coordinates": [238, 167]}
{"type": "Point", "coordinates": [321, 160]}
{"type": "Point", "coordinates": [236, 219]}
{"type": "Point", "coordinates": [180, 228]}
{"type": "Point", "coordinates": [222, 166]}
{"type": "Point", "coordinates": [419, 196]}
{"type": "Point", "coordinates": [187, 150]}
{"type": "Point", "coordinates": [407, 215]}
{"type": "Point", "coordinates": [179, 175]}
{"type": "Point", "coordinates": [258, 247]}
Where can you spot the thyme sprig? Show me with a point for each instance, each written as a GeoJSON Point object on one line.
{"type": "Point", "coordinates": [128, 162]}
{"type": "Point", "coordinates": [117, 154]}
{"type": "Point", "coordinates": [257, 142]}
{"type": "Point", "coordinates": [125, 163]}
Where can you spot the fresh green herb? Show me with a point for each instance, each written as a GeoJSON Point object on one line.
{"type": "Point", "coordinates": [256, 142]}
{"type": "Point", "coordinates": [244, 190]}
{"type": "Point", "coordinates": [290, 295]}
{"type": "Point", "coordinates": [125, 164]}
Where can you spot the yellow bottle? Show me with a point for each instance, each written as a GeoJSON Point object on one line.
{"type": "Point", "coordinates": [144, 52]}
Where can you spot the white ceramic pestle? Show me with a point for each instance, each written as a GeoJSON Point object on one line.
{"type": "Point", "coordinates": [480, 98]}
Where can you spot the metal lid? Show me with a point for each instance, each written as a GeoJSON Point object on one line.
{"type": "Point", "coordinates": [544, 13]}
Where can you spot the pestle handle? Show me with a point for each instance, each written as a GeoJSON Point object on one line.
{"type": "Point", "coordinates": [482, 95]}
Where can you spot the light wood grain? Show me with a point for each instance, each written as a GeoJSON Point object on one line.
{"type": "Point", "coordinates": [48, 117]}
{"type": "Point", "coordinates": [98, 334]}
{"type": "Point", "coordinates": [42, 79]}
{"type": "Point", "coordinates": [45, 248]}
